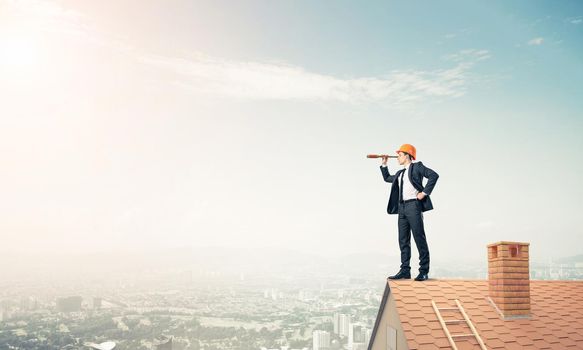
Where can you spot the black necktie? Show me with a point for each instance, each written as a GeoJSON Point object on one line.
{"type": "Point", "coordinates": [401, 187]}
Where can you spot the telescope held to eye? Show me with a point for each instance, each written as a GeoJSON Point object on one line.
{"type": "Point", "coordinates": [380, 156]}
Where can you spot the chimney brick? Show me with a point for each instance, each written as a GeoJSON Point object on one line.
{"type": "Point", "coordinates": [509, 278]}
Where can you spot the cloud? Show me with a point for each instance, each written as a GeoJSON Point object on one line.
{"type": "Point", "coordinates": [468, 55]}
{"type": "Point", "coordinates": [43, 43]}
{"type": "Point", "coordinates": [256, 80]}
{"type": "Point", "coordinates": [536, 41]}
{"type": "Point", "coordinates": [574, 20]}
{"type": "Point", "coordinates": [51, 21]}
{"type": "Point", "coordinates": [280, 81]}
{"type": "Point", "coordinates": [43, 16]}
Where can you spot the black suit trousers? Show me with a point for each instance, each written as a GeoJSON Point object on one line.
{"type": "Point", "coordinates": [411, 220]}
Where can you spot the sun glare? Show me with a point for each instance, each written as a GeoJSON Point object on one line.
{"type": "Point", "coordinates": [18, 55]}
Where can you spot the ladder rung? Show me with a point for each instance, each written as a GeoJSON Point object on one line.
{"type": "Point", "coordinates": [466, 319]}
{"type": "Point", "coordinates": [455, 321]}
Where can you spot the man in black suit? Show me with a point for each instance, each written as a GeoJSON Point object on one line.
{"type": "Point", "coordinates": [409, 198]}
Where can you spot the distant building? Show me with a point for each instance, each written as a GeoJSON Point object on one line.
{"type": "Point", "coordinates": [4, 311]}
{"type": "Point", "coordinates": [28, 303]}
{"type": "Point", "coordinates": [305, 295]}
{"type": "Point", "coordinates": [163, 343]}
{"type": "Point", "coordinates": [97, 303]}
{"type": "Point", "coordinates": [341, 324]}
{"type": "Point", "coordinates": [320, 340]}
{"type": "Point", "coordinates": [69, 304]}
{"type": "Point", "coordinates": [368, 334]}
{"type": "Point", "coordinates": [358, 336]}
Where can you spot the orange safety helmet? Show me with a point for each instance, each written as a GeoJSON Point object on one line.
{"type": "Point", "coordinates": [409, 149]}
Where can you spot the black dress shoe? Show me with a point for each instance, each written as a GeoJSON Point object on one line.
{"type": "Point", "coordinates": [422, 277]}
{"type": "Point", "coordinates": [401, 275]}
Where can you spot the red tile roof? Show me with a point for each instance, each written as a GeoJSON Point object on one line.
{"type": "Point", "coordinates": [556, 320]}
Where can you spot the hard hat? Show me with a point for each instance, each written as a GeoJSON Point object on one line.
{"type": "Point", "coordinates": [409, 149]}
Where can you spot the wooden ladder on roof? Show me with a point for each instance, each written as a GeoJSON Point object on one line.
{"type": "Point", "coordinates": [444, 323]}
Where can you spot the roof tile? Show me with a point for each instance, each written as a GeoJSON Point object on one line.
{"type": "Point", "coordinates": [512, 346]}
{"type": "Point", "coordinates": [507, 338]}
{"type": "Point", "coordinates": [541, 344]}
{"type": "Point", "coordinates": [442, 342]}
{"type": "Point", "coordinates": [496, 343]}
{"type": "Point", "coordinates": [556, 315]}
{"type": "Point", "coordinates": [424, 339]}
{"type": "Point", "coordinates": [524, 341]}
{"type": "Point", "coordinates": [567, 342]}
{"type": "Point", "coordinates": [418, 322]}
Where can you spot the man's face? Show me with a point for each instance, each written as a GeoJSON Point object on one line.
{"type": "Point", "coordinates": [402, 157]}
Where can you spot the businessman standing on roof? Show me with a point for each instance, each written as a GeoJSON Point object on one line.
{"type": "Point", "coordinates": [409, 198]}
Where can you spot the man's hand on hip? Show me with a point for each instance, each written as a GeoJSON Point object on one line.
{"type": "Point", "coordinates": [421, 195]}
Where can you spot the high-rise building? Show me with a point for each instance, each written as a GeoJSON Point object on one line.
{"type": "Point", "coordinates": [341, 324]}
{"type": "Point", "coordinates": [4, 316]}
{"type": "Point", "coordinates": [28, 303]}
{"type": "Point", "coordinates": [320, 340]}
{"type": "Point", "coordinates": [24, 304]}
{"type": "Point", "coordinates": [367, 335]}
{"type": "Point", "coordinates": [353, 331]}
{"type": "Point", "coordinates": [358, 336]}
{"type": "Point", "coordinates": [4, 310]}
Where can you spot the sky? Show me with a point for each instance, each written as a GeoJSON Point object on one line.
{"type": "Point", "coordinates": [143, 125]}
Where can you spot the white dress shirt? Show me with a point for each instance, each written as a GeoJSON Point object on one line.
{"type": "Point", "coordinates": [409, 192]}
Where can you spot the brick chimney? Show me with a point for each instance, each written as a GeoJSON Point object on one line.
{"type": "Point", "coordinates": [508, 278]}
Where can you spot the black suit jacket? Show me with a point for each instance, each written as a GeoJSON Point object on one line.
{"type": "Point", "coordinates": [417, 172]}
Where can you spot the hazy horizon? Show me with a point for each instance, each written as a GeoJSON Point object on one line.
{"type": "Point", "coordinates": [230, 262]}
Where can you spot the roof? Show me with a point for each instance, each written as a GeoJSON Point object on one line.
{"type": "Point", "coordinates": [556, 320]}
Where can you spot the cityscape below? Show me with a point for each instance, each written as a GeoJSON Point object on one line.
{"type": "Point", "coordinates": [305, 303]}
